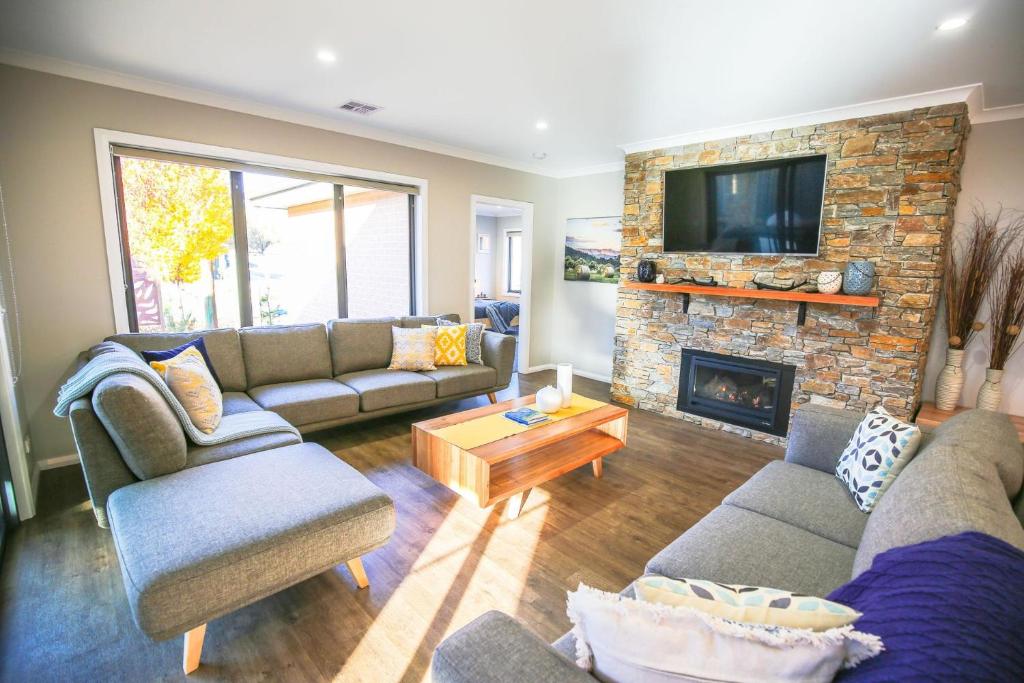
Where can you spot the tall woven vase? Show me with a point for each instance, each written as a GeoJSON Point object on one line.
{"type": "Point", "coordinates": [951, 381]}
{"type": "Point", "coordinates": [991, 393]}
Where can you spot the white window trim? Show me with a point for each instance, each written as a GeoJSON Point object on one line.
{"type": "Point", "coordinates": [108, 201]}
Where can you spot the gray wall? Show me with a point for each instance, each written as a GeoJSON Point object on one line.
{"type": "Point", "coordinates": [584, 312]}
{"type": "Point", "coordinates": [993, 174]}
{"type": "Point", "coordinates": [50, 181]}
{"type": "Point", "coordinates": [485, 271]}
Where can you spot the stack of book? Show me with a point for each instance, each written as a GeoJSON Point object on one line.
{"type": "Point", "coordinates": [526, 416]}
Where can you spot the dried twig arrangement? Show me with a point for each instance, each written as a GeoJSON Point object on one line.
{"type": "Point", "coordinates": [970, 264]}
{"type": "Point", "coordinates": [1008, 307]}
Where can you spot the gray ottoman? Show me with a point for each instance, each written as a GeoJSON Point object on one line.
{"type": "Point", "coordinates": [202, 542]}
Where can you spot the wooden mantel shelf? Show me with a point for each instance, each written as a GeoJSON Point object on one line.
{"type": "Point", "coordinates": [803, 298]}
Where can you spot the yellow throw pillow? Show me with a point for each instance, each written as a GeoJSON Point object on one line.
{"type": "Point", "coordinates": [413, 349]}
{"type": "Point", "coordinates": [192, 384]}
{"type": "Point", "coordinates": [450, 345]}
{"type": "Point", "coordinates": [748, 604]}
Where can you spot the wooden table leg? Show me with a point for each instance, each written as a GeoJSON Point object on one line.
{"type": "Point", "coordinates": [598, 465]}
{"type": "Point", "coordinates": [515, 504]}
{"type": "Point", "coordinates": [193, 648]}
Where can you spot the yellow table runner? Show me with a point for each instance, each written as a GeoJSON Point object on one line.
{"type": "Point", "coordinates": [490, 428]}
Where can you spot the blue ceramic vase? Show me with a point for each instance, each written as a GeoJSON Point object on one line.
{"type": "Point", "coordinates": [858, 278]}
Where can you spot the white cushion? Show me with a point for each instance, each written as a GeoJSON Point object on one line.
{"type": "Point", "coordinates": [879, 450]}
{"type": "Point", "coordinates": [622, 640]}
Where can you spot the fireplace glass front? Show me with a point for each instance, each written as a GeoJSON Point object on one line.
{"type": "Point", "coordinates": [740, 391]}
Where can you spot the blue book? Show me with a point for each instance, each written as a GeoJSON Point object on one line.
{"type": "Point", "coordinates": [526, 416]}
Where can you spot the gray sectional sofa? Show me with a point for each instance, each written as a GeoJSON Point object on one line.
{"type": "Point", "coordinates": [201, 531]}
{"type": "Point", "coordinates": [794, 526]}
{"type": "Point", "coordinates": [314, 376]}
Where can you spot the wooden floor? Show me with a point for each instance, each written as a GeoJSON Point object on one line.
{"type": "Point", "coordinates": [64, 615]}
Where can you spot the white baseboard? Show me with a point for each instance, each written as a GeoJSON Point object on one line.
{"type": "Point", "coordinates": [576, 371]}
{"type": "Point", "coordinates": [57, 461]}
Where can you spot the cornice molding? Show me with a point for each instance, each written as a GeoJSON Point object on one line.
{"type": "Point", "coordinates": [973, 94]}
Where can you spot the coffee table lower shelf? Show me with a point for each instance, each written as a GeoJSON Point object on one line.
{"type": "Point", "coordinates": [544, 464]}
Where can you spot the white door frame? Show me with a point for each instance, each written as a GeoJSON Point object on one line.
{"type": "Point", "coordinates": [525, 295]}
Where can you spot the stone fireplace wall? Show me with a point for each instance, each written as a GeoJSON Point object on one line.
{"type": "Point", "coordinates": [891, 186]}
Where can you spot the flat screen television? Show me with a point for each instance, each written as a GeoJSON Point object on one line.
{"type": "Point", "coordinates": [761, 207]}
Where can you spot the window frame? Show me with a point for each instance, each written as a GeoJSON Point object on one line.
{"type": "Point", "coordinates": [118, 256]}
{"type": "Point", "coordinates": [509, 234]}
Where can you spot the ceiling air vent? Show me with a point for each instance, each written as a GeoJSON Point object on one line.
{"type": "Point", "coordinates": [359, 107]}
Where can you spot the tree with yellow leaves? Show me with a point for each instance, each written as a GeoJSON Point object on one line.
{"type": "Point", "coordinates": [179, 219]}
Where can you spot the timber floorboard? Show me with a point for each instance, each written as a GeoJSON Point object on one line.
{"type": "Point", "coordinates": [64, 615]}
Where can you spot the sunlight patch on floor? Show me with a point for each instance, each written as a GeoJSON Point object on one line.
{"type": "Point", "coordinates": [405, 619]}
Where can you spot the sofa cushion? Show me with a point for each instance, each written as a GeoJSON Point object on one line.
{"type": "Point", "coordinates": [879, 450]}
{"type": "Point", "coordinates": [208, 540]}
{"type": "Point", "coordinates": [463, 379]}
{"type": "Point", "coordinates": [189, 378]}
{"type": "Point", "coordinates": [239, 402]}
{"type": "Point", "coordinates": [204, 455]}
{"type": "Point", "coordinates": [285, 354]}
{"type": "Point", "coordinates": [308, 401]}
{"type": "Point", "coordinates": [388, 388]}
{"type": "Point", "coordinates": [222, 346]}
{"type": "Point", "coordinates": [961, 481]}
{"type": "Point", "coordinates": [167, 354]}
{"type": "Point", "coordinates": [804, 497]}
{"type": "Point", "coordinates": [736, 546]}
{"type": "Point", "coordinates": [145, 429]}
{"type": "Point", "coordinates": [360, 344]}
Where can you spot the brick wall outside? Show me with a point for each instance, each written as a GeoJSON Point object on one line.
{"type": "Point", "coordinates": [891, 186]}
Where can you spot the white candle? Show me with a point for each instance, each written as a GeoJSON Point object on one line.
{"type": "Point", "coordinates": [564, 381]}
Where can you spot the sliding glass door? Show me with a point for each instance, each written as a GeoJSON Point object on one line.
{"type": "Point", "coordinates": [208, 243]}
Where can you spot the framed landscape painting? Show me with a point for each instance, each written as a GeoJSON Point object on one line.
{"type": "Point", "coordinates": [592, 247]}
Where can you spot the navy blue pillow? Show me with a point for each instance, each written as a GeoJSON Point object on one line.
{"type": "Point", "coordinates": [200, 346]}
{"type": "Point", "coordinates": [951, 609]}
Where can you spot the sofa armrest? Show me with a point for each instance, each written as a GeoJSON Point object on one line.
{"type": "Point", "coordinates": [105, 470]}
{"type": "Point", "coordinates": [495, 648]}
{"type": "Point", "coordinates": [818, 436]}
{"type": "Point", "coordinates": [499, 352]}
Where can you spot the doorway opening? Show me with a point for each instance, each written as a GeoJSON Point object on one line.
{"type": "Point", "coordinates": [500, 269]}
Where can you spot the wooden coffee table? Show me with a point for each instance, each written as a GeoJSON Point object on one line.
{"type": "Point", "coordinates": [507, 469]}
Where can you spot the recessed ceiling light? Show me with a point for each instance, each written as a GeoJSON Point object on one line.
{"type": "Point", "coordinates": [326, 56]}
{"type": "Point", "coordinates": [541, 125]}
{"type": "Point", "coordinates": [540, 156]}
{"type": "Point", "coordinates": [953, 24]}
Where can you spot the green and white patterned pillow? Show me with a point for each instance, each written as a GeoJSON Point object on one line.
{"type": "Point", "coordinates": [879, 450]}
{"type": "Point", "coordinates": [747, 604]}
{"type": "Point", "coordinates": [474, 339]}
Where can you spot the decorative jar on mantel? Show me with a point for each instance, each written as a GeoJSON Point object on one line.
{"type": "Point", "coordinates": [858, 278]}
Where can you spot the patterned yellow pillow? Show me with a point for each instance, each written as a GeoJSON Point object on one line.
{"type": "Point", "coordinates": [192, 384]}
{"type": "Point", "coordinates": [749, 604]}
{"type": "Point", "coordinates": [413, 349]}
{"type": "Point", "coordinates": [450, 346]}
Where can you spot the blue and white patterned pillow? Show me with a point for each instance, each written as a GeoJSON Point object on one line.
{"type": "Point", "coordinates": [474, 339]}
{"type": "Point", "coordinates": [878, 451]}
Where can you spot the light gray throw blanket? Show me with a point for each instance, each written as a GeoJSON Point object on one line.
{"type": "Point", "coordinates": [110, 358]}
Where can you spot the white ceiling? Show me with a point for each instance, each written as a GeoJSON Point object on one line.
{"type": "Point", "coordinates": [474, 77]}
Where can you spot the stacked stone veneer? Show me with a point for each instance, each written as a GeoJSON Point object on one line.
{"type": "Point", "coordinates": [891, 186]}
